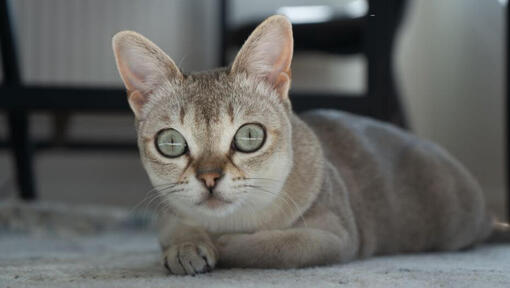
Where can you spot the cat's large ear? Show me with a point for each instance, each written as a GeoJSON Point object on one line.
{"type": "Point", "coordinates": [142, 65]}
{"type": "Point", "coordinates": [267, 54]}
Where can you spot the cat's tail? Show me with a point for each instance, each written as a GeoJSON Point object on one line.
{"type": "Point", "coordinates": [500, 232]}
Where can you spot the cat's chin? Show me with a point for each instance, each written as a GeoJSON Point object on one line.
{"type": "Point", "coordinates": [214, 203]}
{"type": "Point", "coordinates": [216, 207]}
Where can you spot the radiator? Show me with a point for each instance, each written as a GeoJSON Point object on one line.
{"type": "Point", "coordinates": [68, 42]}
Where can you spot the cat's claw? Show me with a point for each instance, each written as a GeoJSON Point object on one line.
{"type": "Point", "coordinates": [190, 258]}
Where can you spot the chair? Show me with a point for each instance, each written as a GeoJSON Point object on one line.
{"type": "Point", "coordinates": [20, 100]}
{"type": "Point", "coordinates": [371, 35]}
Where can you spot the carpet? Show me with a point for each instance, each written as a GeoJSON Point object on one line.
{"type": "Point", "coordinates": [56, 245]}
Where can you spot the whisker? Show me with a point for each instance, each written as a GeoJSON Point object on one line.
{"type": "Point", "coordinates": [267, 179]}
{"type": "Point", "coordinates": [173, 191]}
{"type": "Point", "coordinates": [280, 208]}
{"type": "Point", "coordinates": [165, 204]}
{"type": "Point", "coordinates": [149, 198]}
{"type": "Point", "coordinates": [283, 197]}
{"type": "Point", "coordinates": [251, 205]}
{"type": "Point", "coordinates": [144, 200]}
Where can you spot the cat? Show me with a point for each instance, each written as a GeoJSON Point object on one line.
{"type": "Point", "coordinates": [247, 183]}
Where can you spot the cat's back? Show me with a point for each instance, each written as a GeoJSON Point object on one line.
{"type": "Point", "coordinates": [349, 137]}
{"type": "Point", "coordinates": [335, 127]}
{"type": "Point", "coordinates": [407, 194]}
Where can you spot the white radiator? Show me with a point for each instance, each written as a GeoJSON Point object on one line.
{"type": "Point", "coordinates": [68, 42]}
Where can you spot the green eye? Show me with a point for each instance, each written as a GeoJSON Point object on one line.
{"type": "Point", "coordinates": [171, 143]}
{"type": "Point", "coordinates": [249, 138]}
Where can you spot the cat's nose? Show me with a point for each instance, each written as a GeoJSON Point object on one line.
{"type": "Point", "coordinates": [210, 178]}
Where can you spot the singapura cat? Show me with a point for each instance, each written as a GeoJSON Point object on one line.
{"type": "Point", "coordinates": [247, 183]}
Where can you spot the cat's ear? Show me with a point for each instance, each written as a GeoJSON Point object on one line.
{"type": "Point", "coordinates": [267, 54]}
{"type": "Point", "coordinates": [142, 65]}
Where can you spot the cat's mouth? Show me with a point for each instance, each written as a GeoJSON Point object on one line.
{"type": "Point", "coordinates": [214, 201]}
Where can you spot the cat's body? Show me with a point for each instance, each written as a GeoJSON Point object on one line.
{"type": "Point", "coordinates": [406, 194]}
{"type": "Point", "coordinates": [247, 183]}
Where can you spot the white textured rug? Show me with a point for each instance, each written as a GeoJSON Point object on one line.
{"type": "Point", "coordinates": [48, 245]}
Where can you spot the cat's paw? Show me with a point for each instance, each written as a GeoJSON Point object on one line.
{"type": "Point", "coordinates": [232, 249]}
{"type": "Point", "coordinates": [227, 241]}
{"type": "Point", "coordinates": [190, 258]}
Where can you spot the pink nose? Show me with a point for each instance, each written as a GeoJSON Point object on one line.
{"type": "Point", "coordinates": [210, 179]}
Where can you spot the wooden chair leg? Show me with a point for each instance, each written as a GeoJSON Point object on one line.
{"type": "Point", "coordinates": [507, 72]}
{"type": "Point", "coordinates": [61, 121]}
{"type": "Point", "coordinates": [22, 150]}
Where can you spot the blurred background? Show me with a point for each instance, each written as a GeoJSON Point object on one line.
{"type": "Point", "coordinates": [434, 67]}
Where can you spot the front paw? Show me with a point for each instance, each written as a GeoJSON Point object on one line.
{"type": "Point", "coordinates": [233, 248]}
{"type": "Point", "coordinates": [226, 241]}
{"type": "Point", "coordinates": [190, 258]}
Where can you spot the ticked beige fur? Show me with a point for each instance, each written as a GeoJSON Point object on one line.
{"type": "Point", "coordinates": [326, 187]}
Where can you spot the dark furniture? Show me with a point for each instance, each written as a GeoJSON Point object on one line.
{"type": "Point", "coordinates": [371, 35]}
{"type": "Point", "coordinates": [507, 87]}
{"type": "Point", "coordinates": [19, 99]}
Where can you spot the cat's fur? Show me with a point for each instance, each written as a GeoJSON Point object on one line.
{"type": "Point", "coordinates": [328, 187]}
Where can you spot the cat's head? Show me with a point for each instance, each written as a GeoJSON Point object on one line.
{"type": "Point", "coordinates": [215, 141]}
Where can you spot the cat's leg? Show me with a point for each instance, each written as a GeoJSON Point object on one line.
{"type": "Point", "coordinates": [290, 248]}
{"type": "Point", "coordinates": [186, 249]}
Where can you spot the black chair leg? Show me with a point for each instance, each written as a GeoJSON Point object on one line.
{"type": "Point", "coordinates": [23, 155]}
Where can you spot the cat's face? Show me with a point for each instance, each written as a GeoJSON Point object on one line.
{"type": "Point", "coordinates": [233, 144]}
{"type": "Point", "coordinates": [216, 142]}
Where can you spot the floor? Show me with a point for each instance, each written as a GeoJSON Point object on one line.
{"type": "Point", "coordinates": [48, 245]}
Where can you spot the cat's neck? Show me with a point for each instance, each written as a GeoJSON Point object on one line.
{"type": "Point", "coordinates": [306, 177]}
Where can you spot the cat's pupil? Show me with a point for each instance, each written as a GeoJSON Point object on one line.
{"type": "Point", "coordinates": [249, 138]}
{"type": "Point", "coordinates": [171, 143]}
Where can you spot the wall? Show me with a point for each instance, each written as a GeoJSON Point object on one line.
{"type": "Point", "coordinates": [451, 63]}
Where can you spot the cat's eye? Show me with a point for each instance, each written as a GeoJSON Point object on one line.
{"type": "Point", "coordinates": [249, 138]}
{"type": "Point", "coordinates": [171, 143]}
